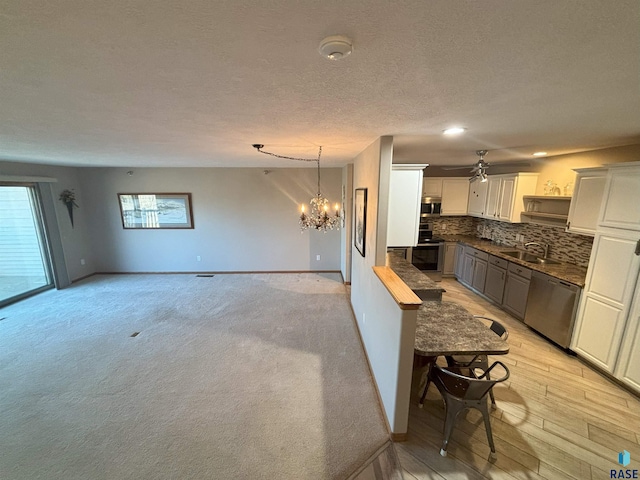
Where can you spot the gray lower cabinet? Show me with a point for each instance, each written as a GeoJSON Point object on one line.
{"type": "Point", "coordinates": [474, 268]}
{"type": "Point", "coordinates": [479, 274]}
{"type": "Point", "coordinates": [449, 259]}
{"type": "Point", "coordinates": [467, 266]}
{"type": "Point", "coordinates": [459, 263]}
{"type": "Point", "coordinates": [496, 278]}
{"type": "Point", "coordinates": [516, 290]}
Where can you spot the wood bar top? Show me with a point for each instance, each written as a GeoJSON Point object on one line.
{"type": "Point", "coordinates": [403, 295]}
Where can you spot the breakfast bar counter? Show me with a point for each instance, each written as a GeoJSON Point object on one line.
{"type": "Point", "coordinates": [414, 278]}
{"type": "Point", "coordinates": [446, 328]}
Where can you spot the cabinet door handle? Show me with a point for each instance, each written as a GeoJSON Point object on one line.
{"type": "Point", "coordinates": [637, 252]}
{"type": "Point", "coordinates": [568, 224]}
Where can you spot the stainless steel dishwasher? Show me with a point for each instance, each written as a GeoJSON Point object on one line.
{"type": "Point", "coordinates": [551, 307]}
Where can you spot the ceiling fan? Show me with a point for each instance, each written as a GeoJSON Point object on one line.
{"type": "Point", "coordinates": [479, 169]}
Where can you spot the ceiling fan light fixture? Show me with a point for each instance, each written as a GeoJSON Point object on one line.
{"type": "Point", "coordinates": [335, 47]}
{"type": "Point", "coordinates": [454, 131]}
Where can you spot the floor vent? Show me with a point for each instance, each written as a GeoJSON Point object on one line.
{"type": "Point", "coordinates": [135, 334]}
{"type": "Point", "coordinates": [208, 275]}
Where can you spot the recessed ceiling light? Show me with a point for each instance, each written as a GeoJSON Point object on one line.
{"type": "Point", "coordinates": [454, 131]}
{"type": "Point", "coordinates": [539, 154]}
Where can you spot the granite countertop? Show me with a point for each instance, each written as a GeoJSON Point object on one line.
{"type": "Point", "coordinates": [446, 328]}
{"type": "Point", "coordinates": [415, 279]}
{"type": "Point", "coordinates": [563, 271]}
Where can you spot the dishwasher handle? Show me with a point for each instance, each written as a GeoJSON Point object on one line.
{"type": "Point", "coordinates": [554, 281]}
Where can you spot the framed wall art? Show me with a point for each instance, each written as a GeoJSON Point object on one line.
{"type": "Point", "coordinates": [360, 219]}
{"type": "Point", "coordinates": [156, 210]}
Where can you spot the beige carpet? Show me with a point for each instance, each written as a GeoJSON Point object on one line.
{"type": "Point", "coordinates": [235, 376]}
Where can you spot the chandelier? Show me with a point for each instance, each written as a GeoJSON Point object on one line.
{"type": "Point", "coordinates": [318, 216]}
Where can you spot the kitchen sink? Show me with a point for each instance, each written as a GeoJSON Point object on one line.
{"type": "Point", "coordinates": [528, 257]}
{"type": "Point", "coordinates": [521, 255]}
{"type": "Point", "coordinates": [547, 261]}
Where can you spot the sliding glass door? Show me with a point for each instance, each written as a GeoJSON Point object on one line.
{"type": "Point", "coordinates": [24, 260]}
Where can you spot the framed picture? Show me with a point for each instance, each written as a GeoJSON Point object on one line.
{"type": "Point", "coordinates": [156, 210]}
{"type": "Point", "coordinates": [360, 218]}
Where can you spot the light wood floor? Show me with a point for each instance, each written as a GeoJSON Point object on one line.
{"type": "Point", "coordinates": [555, 419]}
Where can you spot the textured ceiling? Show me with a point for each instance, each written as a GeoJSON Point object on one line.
{"type": "Point", "coordinates": [195, 83]}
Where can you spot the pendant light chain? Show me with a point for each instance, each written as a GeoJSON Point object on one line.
{"type": "Point", "coordinates": [319, 153]}
{"type": "Point", "coordinates": [318, 216]}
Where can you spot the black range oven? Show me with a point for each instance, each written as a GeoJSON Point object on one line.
{"type": "Point", "coordinates": [428, 255]}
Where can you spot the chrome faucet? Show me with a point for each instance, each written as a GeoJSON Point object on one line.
{"type": "Point", "coordinates": [544, 246]}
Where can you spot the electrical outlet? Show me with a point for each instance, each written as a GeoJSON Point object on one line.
{"type": "Point", "coordinates": [364, 318]}
{"type": "Point", "coordinates": [479, 228]}
{"type": "Point", "coordinates": [443, 226]}
{"type": "Point", "coordinates": [318, 258]}
{"type": "Point", "coordinates": [198, 258]}
{"type": "Point", "coordinates": [82, 262]}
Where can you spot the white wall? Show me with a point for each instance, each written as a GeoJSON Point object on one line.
{"type": "Point", "coordinates": [560, 168]}
{"type": "Point", "coordinates": [346, 238]}
{"type": "Point", "coordinates": [387, 332]}
{"type": "Point", "coordinates": [244, 220]}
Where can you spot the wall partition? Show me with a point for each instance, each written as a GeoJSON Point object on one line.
{"type": "Point", "coordinates": [25, 268]}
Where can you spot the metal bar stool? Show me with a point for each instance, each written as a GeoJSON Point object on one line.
{"type": "Point", "coordinates": [461, 392]}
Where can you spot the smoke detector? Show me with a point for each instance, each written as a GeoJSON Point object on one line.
{"type": "Point", "coordinates": [335, 47]}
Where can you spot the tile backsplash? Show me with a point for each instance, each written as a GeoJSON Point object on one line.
{"type": "Point", "coordinates": [454, 225]}
{"type": "Point", "coordinates": [563, 246]}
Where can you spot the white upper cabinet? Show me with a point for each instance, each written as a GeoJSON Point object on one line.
{"type": "Point", "coordinates": [455, 196]}
{"type": "Point", "coordinates": [477, 198]}
{"type": "Point", "coordinates": [405, 194]}
{"type": "Point", "coordinates": [504, 197]}
{"type": "Point", "coordinates": [453, 191]}
{"type": "Point", "coordinates": [493, 192]}
{"type": "Point", "coordinates": [621, 203]}
{"type": "Point", "coordinates": [432, 187]}
{"type": "Point", "coordinates": [586, 200]}
{"type": "Point", "coordinates": [507, 197]}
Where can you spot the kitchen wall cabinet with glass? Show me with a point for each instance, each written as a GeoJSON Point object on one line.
{"type": "Point", "coordinates": [405, 195]}
{"type": "Point", "coordinates": [607, 331]}
{"type": "Point", "coordinates": [454, 192]}
{"type": "Point", "coordinates": [501, 196]}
